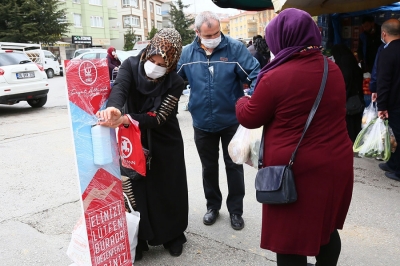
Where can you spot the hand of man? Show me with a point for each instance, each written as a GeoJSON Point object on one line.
{"type": "Point", "coordinates": [373, 97]}
{"type": "Point", "coordinates": [383, 114]}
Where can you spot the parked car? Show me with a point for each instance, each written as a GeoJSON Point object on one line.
{"type": "Point", "coordinates": [102, 53]}
{"type": "Point", "coordinates": [85, 50]}
{"type": "Point", "coordinates": [22, 80]}
{"type": "Point", "coordinates": [35, 53]}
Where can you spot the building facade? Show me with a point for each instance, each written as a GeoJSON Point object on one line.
{"type": "Point", "coordinates": [139, 16]}
{"type": "Point", "coordinates": [90, 23]}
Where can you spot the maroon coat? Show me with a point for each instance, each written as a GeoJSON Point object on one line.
{"type": "Point", "coordinates": [323, 168]}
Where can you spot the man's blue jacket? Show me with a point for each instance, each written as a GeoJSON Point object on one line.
{"type": "Point", "coordinates": [216, 81]}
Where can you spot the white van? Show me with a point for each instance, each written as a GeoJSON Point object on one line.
{"type": "Point", "coordinates": [41, 57]}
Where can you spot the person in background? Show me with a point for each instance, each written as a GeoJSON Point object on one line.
{"type": "Point", "coordinates": [215, 65]}
{"type": "Point", "coordinates": [369, 42]}
{"type": "Point", "coordinates": [353, 78]}
{"type": "Point", "coordinates": [285, 92]}
{"type": "Point", "coordinates": [262, 52]}
{"type": "Point", "coordinates": [251, 48]}
{"type": "Point", "coordinates": [150, 87]}
{"type": "Point", "coordinates": [388, 90]}
{"type": "Point", "coordinates": [372, 83]}
{"type": "Point", "coordinates": [113, 62]}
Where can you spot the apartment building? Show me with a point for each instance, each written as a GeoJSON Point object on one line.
{"type": "Point", "coordinates": [225, 26]}
{"type": "Point", "coordinates": [137, 15]}
{"type": "Point", "coordinates": [90, 23]}
{"type": "Point", "coordinates": [247, 24]}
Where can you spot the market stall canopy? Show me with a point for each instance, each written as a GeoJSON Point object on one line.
{"type": "Point", "coordinates": [318, 7]}
{"type": "Point", "coordinates": [252, 5]}
{"type": "Point", "coordinates": [314, 7]}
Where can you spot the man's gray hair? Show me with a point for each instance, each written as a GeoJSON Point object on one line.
{"type": "Point", "coordinates": [205, 17]}
{"type": "Point", "coordinates": [392, 27]}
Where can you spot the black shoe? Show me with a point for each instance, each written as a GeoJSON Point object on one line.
{"type": "Point", "coordinates": [176, 250]}
{"type": "Point", "coordinates": [237, 222]}
{"type": "Point", "coordinates": [386, 168]}
{"type": "Point", "coordinates": [392, 176]}
{"type": "Point", "coordinates": [138, 254]}
{"type": "Point", "coordinates": [210, 217]}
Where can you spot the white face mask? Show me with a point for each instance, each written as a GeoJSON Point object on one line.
{"type": "Point", "coordinates": [113, 53]}
{"type": "Point", "coordinates": [383, 40]}
{"type": "Point", "coordinates": [153, 71]}
{"type": "Point", "coordinates": [211, 43]}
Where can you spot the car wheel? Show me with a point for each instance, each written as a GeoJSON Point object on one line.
{"type": "Point", "coordinates": [36, 103]}
{"type": "Point", "coordinates": [50, 73]}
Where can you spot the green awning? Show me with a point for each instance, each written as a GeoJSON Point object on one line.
{"type": "Point", "coordinates": [314, 7]}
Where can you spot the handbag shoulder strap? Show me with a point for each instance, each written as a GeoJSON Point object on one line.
{"type": "Point", "coordinates": [310, 118]}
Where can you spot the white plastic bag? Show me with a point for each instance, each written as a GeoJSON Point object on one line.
{"type": "Point", "coordinates": [239, 147]}
{"type": "Point", "coordinates": [374, 141]}
{"type": "Point", "coordinates": [78, 249]}
{"type": "Point", "coordinates": [370, 113]}
{"type": "Point", "coordinates": [255, 141]}
{"type": "Point", "coordinates": [132, 221]}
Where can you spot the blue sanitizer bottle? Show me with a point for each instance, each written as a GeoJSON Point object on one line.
{"type": "Point", "coordinates": [101, 141]}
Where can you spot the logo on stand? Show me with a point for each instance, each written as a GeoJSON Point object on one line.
{"type": "Point", "coordinates": [126, 147]}
{"type": "Point", "coordinates": [87, 72]}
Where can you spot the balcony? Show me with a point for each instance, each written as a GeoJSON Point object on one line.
{"type": "Point", "coordinates": [112, 13]}
{"type": "Point", "coordinates": [252, 29]}
{"type": "Point", "coordinates": [251, 21]}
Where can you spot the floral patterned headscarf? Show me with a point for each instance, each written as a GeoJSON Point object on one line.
{"type": "Point", "coordinates": [168, 44]}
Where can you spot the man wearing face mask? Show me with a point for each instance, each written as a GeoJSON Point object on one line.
{"type": "Point", "coordinates": [369, 43]}
{"type": "Point", "coordinates": [388, 90]}
{"type": "Point", "coordinates": [113, 62]}
{"type": "Point", "coordinates": [215, 65]}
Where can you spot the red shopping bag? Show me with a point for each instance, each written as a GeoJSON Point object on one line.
{"type": "Point", "coordinates": [130, 147]}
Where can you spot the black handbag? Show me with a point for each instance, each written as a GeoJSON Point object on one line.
{"type": "Point", "coordinates": [276, 184]}
{"type": "Point", "coordinates": [354, 105]}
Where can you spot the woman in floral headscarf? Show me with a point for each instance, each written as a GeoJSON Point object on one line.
{"type": "Point", "coordinates": [283, 98]}
{"type": "Point", "coordinates": [150, 87]}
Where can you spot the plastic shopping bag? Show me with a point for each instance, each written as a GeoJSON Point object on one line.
{"type": "Point", "coordinates": [132, 221]}
{"type": "Point", "coordinates": [374, 140]}
{"type": "Point", "coordinates": [239, 147]}
{"type": "Point", "coordinates": [78, 249]}
{"type": "Point", "coordinates": [255, 141]}
{"type": "Point", "coordinates": [130, 147]}
{"type": "Point", "coordinates": [393, 142]}
{"type": "Point", "coordinates": [370, 113]}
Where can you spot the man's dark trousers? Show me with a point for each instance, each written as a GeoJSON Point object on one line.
{"type": "Point", "coordinates": [394, 123]}
{"type": "Point", "coordinates": [207, 144]}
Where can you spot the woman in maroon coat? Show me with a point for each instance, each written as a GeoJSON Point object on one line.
{"type": "Point", "coordinates": [284, 95]}
{"type": "Point", "coordinates": [113, 62]}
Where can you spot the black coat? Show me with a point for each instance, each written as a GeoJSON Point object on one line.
{"type": "Point", "coordinates": [162, 196]}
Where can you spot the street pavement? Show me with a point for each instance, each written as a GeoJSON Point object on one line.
{"type": "Point", "coordinates": [40, 204]}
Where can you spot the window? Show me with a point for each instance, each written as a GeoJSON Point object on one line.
{"type": "Point", "coordinates": [49, 55]}
{"type": "Point", "coordinates": [89, 56]}
{"type": "Point", "coordinates": [96, 21]}
{"type": "Point", "coordinates": [131, 21]}
{"type": "Point", "coordinates": [144, 4]}
{"type": "Point", "coordinates": [129, 3]}
{"type": "Point", "coordinates": [76, 1]}
{"type": "Point", "coordinates": [158, 10]}
{"type": "Point", "coordinates": [77, 20]}
{"type": "Point", "coordinates": [145, 23]}
{"type": "Point", "coordinates": [95, 2]}
{"type": "Point", "coordinates": [151, 8]}
{"type": "Point", "coordinates": [159, 25]}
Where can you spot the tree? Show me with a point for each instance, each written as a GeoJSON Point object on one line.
{"type": "Point", "coordinates": [130, 39]}
{"type": "Point", "coordinates": [37, 21]}
{"type": "Point", "coordinates": [182, 22]}
{"type": "Point", "coordinates": [152, 33]}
